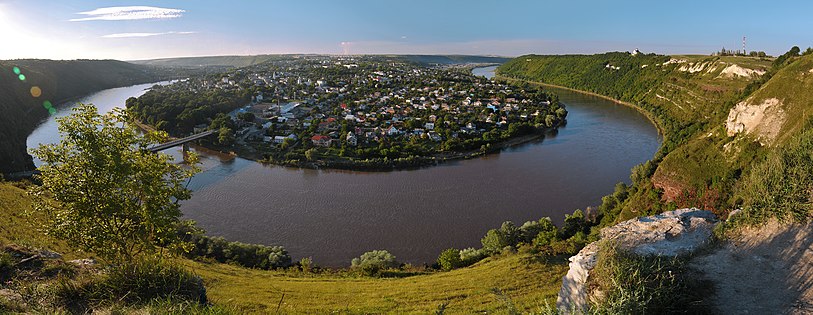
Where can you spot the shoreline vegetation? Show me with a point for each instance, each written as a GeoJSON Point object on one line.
{"type": "Point", "coordinates": [654, 120]}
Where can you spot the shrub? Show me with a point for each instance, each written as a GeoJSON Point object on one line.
{"type": "Point", "coordinates": [497, 239]}
{"type": "Point", "coordinates": [137, 282]}
{"type": "Point", "coordinates": [633, 284]}
{"type": "Point", "coordinates": [450, 259]}
{"type": "Point", "coordinates": [782, 185]}
{"type": "Point", "coordinates": [306, 264]}
{"type": "Point", "coordinates": [6, 265]}
{"type": "Point", "coordinates": [469, 256]}
{"type": "Point", "coordinates": [246, 255]}
{"type": "Point", "coordinates": [372, 262]}
{"type": "Point", "coordinates": [531, 229]}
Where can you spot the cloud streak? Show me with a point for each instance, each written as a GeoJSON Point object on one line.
{"type": "Point", "coordinates": [129, 13]}
{"type": "Point", "coordinates": [130, 35]}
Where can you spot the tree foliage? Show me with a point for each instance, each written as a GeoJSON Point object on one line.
{"type": "Point", "coordinates": [374, 261]}
{"type": "Point", "coordinates": [103, 191]}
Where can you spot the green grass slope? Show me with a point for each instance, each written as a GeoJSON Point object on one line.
{"type": "Point", "coordinates": [520, 281]}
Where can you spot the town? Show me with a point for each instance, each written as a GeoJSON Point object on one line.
{"type": "Point", "coordinates": [358, 112]}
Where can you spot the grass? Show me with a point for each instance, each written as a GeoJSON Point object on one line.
{"type": "Point", "coordinates": [521, 281]}
{"type": "Point", "coordinates": [496, 285]}
{"type": "Point", "coordinates": [632, 284]}
{"type": "Point", "coordinates": [18, 228]}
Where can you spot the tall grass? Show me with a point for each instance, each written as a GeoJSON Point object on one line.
{"type": "Point", "coordinates": [782, 185]}
{"type": "Point", "coordinates": [135, 283]}
{"type": "Point", "coordinates": [633, 284]}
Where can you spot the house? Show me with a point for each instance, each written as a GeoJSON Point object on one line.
{"type": "Point", "coordinates": [429, 126]}
{"type": "Point", "coordinates": [279, 139]}
{"type": "Point", "coordinates": [351, 139]}
{"type": "Point", "coordinates": [392, 131]}
{"type": "Point", "coordinates": [322, 141]}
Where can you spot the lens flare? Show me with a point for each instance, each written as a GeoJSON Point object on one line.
{"type": "Point", "coordinates": [21, 77]}
{"type": "Point", "coordinates": [16, 70]}
{"type": "Point", "coordinates": [36, 91]}
{"type": "Point", "coordinates": [49, 107]}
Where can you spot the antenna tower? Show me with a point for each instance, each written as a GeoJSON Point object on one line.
{"type": "Point", "coordinates": [744, 52]}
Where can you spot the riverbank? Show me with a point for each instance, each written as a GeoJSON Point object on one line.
{"type": "Point", "coordinates": [408, 163]}
{"type": "Point", "coordinates": [654, 120]}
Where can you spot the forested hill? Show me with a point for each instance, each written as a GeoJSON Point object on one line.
{"type": "Point", "coordinates": [721, 116]}
{"type": "Point", "coordinates": [682, 90]}
{"type": "Point", "coordinates": [58, 81]}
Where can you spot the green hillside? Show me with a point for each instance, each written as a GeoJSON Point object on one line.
{"type": "Point", "coordinates": [58, 81]}
{"type": "Point", "coordinates": [691, 97]}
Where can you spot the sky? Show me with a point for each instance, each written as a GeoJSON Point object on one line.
{"type": "Point", "coordinates": [139, 29]}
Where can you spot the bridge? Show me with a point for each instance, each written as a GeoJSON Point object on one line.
{"type": "Point", "coordinates": [181, 141]}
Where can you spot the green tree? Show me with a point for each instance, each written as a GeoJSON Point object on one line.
{"type": "Point", "coordinates": [374, 261]}
{"type": "Point", "coordinates": [310, 154]}
{"type": "Point", "coordinates": [103, 191]}
{"type": "Point", "coordinates": [225, 136]}
{"type": "Point", "coordinates": [450, 259]}
{"type": "Point", "coordinates": [496, 239]}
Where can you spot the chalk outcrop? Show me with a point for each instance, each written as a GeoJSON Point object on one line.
{"type": "Point", "coordinates": [672, 233]}
{"type": "Point", "coordinates": [763, 121]}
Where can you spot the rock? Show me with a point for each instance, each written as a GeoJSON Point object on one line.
{"type": "Point", "coordinates": [49, 254]}
{"type": "Point", "coordinates": [672, 233]}
{"type": "Point", "coordinates": [83, 262]}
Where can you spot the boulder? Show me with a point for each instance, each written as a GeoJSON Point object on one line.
{"type": "Point", "coordinates": [673, 233]}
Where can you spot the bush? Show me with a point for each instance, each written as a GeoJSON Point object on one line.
{"type": "Point", "coordinates": [450, 259]}
{"type": "Point", "coordinates": [246, 255]}
{"type": "Point", "coordinates": [469, 256]}
{"type": "Point", "coordinates": [372, 262]}
{"type": "Point", "coordinates": [6, 266]}
{"type": "Point", "coordinates": [531, 229]}
{"type": "Point", "coordinates": [633, 284]}
{"type": "Point", "coordinates": [782, 185]}
{"type": "Point", "coordinates": [497, 239]}
{"type": "Point", "coordinates": [137, 282]}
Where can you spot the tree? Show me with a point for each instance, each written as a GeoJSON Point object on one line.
{"type": "Point", "coordinates": [103, 191]}
{"type": "Point", "coordinates": [450, 259]}
{"type": "Point", "coordinates": [225, 136]}
{"type": "Point", "coordinates": [246, 116]}
{"type": "Point", "coordinates": [374, 261]}
{"type": "Point", "coordinates": [496, 239]}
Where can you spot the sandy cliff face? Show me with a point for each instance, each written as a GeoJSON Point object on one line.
{"type": "Point", "coordinates": [763, 120]}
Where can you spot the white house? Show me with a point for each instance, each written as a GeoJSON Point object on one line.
{"type": "Point", "coordinates": [352, 139]}
{"type": "Point", "coordinates": [393, 131]}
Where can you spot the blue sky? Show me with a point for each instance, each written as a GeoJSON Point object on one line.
{"type": "Point", "coordinates": [153, 29]}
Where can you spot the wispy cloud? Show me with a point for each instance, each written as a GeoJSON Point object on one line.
{"type": "Point", "coordinates": [128, 35]}
{"type": "Point", "coordinates": [129, 13]}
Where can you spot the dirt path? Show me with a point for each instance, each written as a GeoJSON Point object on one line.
{"type": "Point", "coordinates": [765, 270]}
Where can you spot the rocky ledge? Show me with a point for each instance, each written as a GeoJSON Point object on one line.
{"type": "Point", "coordinates": [672, 233]}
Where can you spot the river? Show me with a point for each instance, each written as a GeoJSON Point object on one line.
{"type": "Point", "coordinates": [333, 216]}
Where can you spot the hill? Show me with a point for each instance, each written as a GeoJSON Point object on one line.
{"type": "Point", "coordinates": [688, 96]}
{"type": "Point", "coordinates": [58, 81]}
{"type": "Point", "coordinates": [246, 61]}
